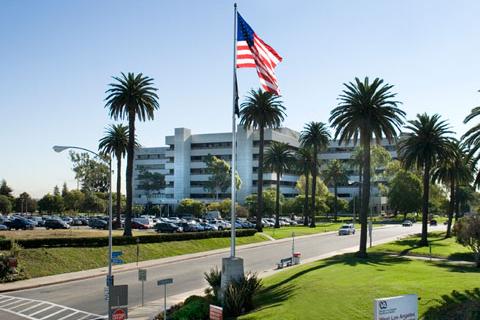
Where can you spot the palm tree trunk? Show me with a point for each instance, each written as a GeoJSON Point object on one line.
{"type": "Point", "coordinates": [260, 180]}
{"type": "Point", "coordinates": [365, 140]}
{"type": "Point", "coordinates": [314, 186]}
{"type": "Point", "coordinates": [426, 191]}
{"type": "Point", "coordinates": [305, 204]}
{"type": "Point", "coordinates": [451, 208]}
{"type": "Point", "coordinates": [277, 203]}
{"type": "Point", "coordinates": [118, 223]}
{"type": "Point", "coordinates": [130, 154]}
{"type": "Point", "coordinates": [360, 179]}
{"type": "Point", "coordinates": [335, 204]}
{"type": "Point", "coordinates": [457, 203]}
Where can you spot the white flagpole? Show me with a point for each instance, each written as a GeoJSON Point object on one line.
{"type": "Point", "coordinates": [234, 138]}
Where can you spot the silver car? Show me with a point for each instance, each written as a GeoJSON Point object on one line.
{"type": "Point", "coordinates": [346, 229]}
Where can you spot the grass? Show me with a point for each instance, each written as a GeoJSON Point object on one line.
{"type": "Point", "coordinates": [344, 287]}
{"type": "Point", "coordinates": [441, 247]}
{"type": "Point", "coordinates": [49, 261]}
{"type": "Point", "coordinates": [70, 233]}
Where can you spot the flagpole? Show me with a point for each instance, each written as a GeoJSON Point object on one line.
{"type": "Point", "coordinates": [234, 138]}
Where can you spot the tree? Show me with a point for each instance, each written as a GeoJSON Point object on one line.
{"type": "Point", "coordinates": [471, 139]}
{"type": "Point", "coordinates": [467, 232]}
{"type": "Point", "coordinates": [220, 176]}
{"type": "Point", "coordinates": [51, 204]}
{"type": "Point", "coordinates": [56, 191]}
{"type": "Point", "coordinates": [454, 171]}
{"type": "Point", "coordinates": [304, 157]}
{"type": "Point", "coordinates": [335, 174]}
{"type": "Point", "coordinates": [191, 206]}
{"type": "Point", "coordinates": [24, 203]}
{"type": "Point", "coordinates": [331, 202]}
{"type": "Point", "coordinates": [366, 110]}
{"type": "Point", "coordinates": [316, 136]}
{"type": "Point", "coordinates": [421, 148]}
{"type": "Point", "coordinates": [74, 200]}
{"type": "Point", "coordinates": [131, 96]}
{"type": "Point", "coordinates": [405, 192]}
{"type": "Point", "coordinates": [93, 203]}
{"type": "Point", "coordinates": [261, 110]}
{"type": "Point", "coordinates": [279, 158]}
{"type": "Point", "coordinates": [5, 190]}
{"type": "Point", "coordinates": [115, 142]}
{"type": "Point", "coordinates": [5, 204]}
{"type": "Point", "coordinates": [64, 189]}
{"type": "Point", "coordinates": [150, 182]}
{"type": "Point", "coordinates": [93, 174]}
{"type": "Point", "coordinates": [269, 199]}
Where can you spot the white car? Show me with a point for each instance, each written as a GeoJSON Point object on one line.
{"type": "Point", "coordinates": [346, 229]}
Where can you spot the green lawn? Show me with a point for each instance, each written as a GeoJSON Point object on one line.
{"type": "Point", "coordinates": [48, 261]}
{"type": "Point", "coordinates": [344, 287]}
{"type": "Point", "coordinates": [441, 247]}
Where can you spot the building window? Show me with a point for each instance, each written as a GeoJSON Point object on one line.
{"type": "Point", "coordinates": [159, 166]}
{"type": "Point", "coordinates": [211, 145]}
{"type": "Point", "coordinates": [150, 156]}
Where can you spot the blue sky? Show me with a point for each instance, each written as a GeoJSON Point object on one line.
{"type": "Point", "coordinates": [57, 58]}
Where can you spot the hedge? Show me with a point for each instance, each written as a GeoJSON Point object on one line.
{"type": "Point", "coordinates": [119, 240]}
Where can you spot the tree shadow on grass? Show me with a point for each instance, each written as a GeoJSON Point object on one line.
{"type": "Point", "coordinates": [456, 306]}
{"type": "Point", "coordinates": [461, 268]}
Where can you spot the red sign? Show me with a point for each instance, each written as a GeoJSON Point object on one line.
{"type": "Point", "coordinates": [119, 314]}
{"type": "Point", "coordinates": [216, 313]}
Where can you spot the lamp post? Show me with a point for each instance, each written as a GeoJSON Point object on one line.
{"type": "Point", "coordinates": [109, 276]}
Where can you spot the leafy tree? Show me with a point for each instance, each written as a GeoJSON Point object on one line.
{"type": "Point", "coordinates": [321, 190]}
{"type": "Point", "coordinates": [220, 176]}
{"type": "Point", "coordinates": [5, 190]}
{"type": "Point", "coordinates": [150, 182]}
{"type": "Point", "coordinates": [467, 232]}
{"type": "Point", "coordinates": [269, 197]}
{"type": "Point", "coordinates": [316, 136]}
{"type": "Point", "coordinates": [261, 110]}
{"type": "Point", "coordinates": [422, 147]}
{"type": "Point", "coordinates": [279, 158]}
{"type": "Point", "coordinates": [24, 203]}
{"type": "Point", "coordinates": [294, 205]}
{"type": "Point", "coordinates": [51, 204]}
{"type": "Point", "coordinates": [191, 206]}
{"type": "Point", "coordinates": [335, 174]}
{"type": "Point", "coordinates": [64, 189]}
{"type": "Point", "coordinates": [115, 142]}
{"type": "Point", "coordinates": [405, 192]}
{"type": "Point", "coordinates": [331, 202]}
{"type": "Point", "coordinates": [471, 139]}
{"type": "Point", "coordinates": [305, 157]}
{"type": "Point", "coordinates": [366, 110]}
{"type": "Point", "coordinates": [93, 203]}
{"type": "Point", "coordinates": [92, 174]}
{"type": "Point", "coordinates": [5, 204]}
{"type": "Point", "coordinates": [56, 191]}
{"type": "Point", "coordinates": [74, 200]}
{"type": "Point", "coordinates": [131, 96]}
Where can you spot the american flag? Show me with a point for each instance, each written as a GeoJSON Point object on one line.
{"type": "Point", "coordinates": [253, 52]}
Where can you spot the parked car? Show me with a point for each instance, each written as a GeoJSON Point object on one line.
{"type": "Point", "coordinates": [18, 223]}
{"type": "Point", "coordinates": [433, 222]}
{"type": "Point", "coordinates": [246, 224]}
{"type": "Point", "coordinates": [68, 220]}
{"type": "Point", "coordinates": [407, 223]}
{"type": "Point", "coordinates": [96, 223]}
{"type": "Point", "coordinates": [167, 227]}
{"type": "Point", "coordinates": [346, 229]}
{"type": "Point", "coordinates": [3, 227]}
{"type": "Point", "coordinates": [139, 225]}
{"type": "Point", "coordinates": [208, 227]}
{"type": "Point", "coordinates": [220, 224]}
{"type": "Point", "coordinates": [267, 223]}
{"type": "Point", "coordinates": [56, 224]}
{"type": "Point", "coordinates": [39, 220]}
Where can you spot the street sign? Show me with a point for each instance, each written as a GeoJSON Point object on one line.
{"type": "Point", "coordinates": [142, 274]}
{"type": "Point", "coordinates": [109, 281]}
{"type": "Point", "coordinates": [401, 307]}
{"type": "Point", "coordinates": [106, 293]}
{"type": "Point", "coordinates": [164, 281]}
{"type": "Point", "coordinates": [120, 314]}
{"type": "Point", "coordinates": [117, 261]}
{"type": "Point", "coordinates": [116, 254]}
{"type": "Point", "coordinates": [216, 313]}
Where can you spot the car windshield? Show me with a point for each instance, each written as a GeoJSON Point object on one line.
{"type": "Point", "coordinates": [346, 226]}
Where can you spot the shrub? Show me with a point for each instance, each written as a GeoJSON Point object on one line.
{"type": "Point", "coordinates": [467, 231]}
{"type": "Point", "coordinates": [238, 297]}
{"type": "Point", "coordinates": [194, 308]}
{"type": "Point", "coordinates": [214, 279]}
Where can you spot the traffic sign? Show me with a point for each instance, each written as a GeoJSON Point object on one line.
{"type": "Point", "coordinates": [142, 274]}
{"type": "Point", "coordinates": [119, 314]}
{"type": "Point", "coordinates": [117, 261]}
{"type": "Point", "coordinates": [164, 281]}
{"type": "Point", "coordinates": [109, 281]}
{"type": "Point", "coordinates": [116, 254]}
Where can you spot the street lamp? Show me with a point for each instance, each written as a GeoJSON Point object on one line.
{"type": "Point", "coordinates": [109, 276]}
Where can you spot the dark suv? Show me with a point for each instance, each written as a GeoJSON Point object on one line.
{"type": "Point", "coordinates": [56, 224]}
{"type": "Point", "coordinates": [98, 224]}
{"type": "Point", "coordinates": [167, 227]}
{"type": "Point", "coordinates": [19, 223]}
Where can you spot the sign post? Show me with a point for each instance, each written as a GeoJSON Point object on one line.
{"type": "Point", "coordinates": [118, 301]}
{"type": "Point", "coordinates": [402, 307]}
{"type": "Point", "coordinates": [164, 283]}
{"type": "Point", "coordinates": [142, 276]}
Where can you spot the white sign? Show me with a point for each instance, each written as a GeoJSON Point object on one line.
{"type": "Point", "coordinates": [106, 293]}
{"type": "Point", "coordinates": [142, 274]}
{"type": "Point", "coordinates": [396, 308]}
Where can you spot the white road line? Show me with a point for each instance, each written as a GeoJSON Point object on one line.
{"type": "Point", "coordinates": [85, 317]}
{"type": "Point", "coordinates": [40, 311]}
{"type": "Point", "coordinates": [8, 300]}
{"type": "Point", "coordinates": [32, 307]}
{"type": "Point", "coordinates": [68, 316]}
{"type": "Point", "coordinates": [52, 314]}
{"type": "Point", "coordinates": [10, 303]}
{"type": "Point", "coordinates": [21, 304]}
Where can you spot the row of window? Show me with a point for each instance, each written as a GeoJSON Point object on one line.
{"type": "Point", "coordinates": [156, 166]}
{"type": "Point", "coordinates": [150, 156]}
{"type": "Point", "coordinates": [211, 145]}
{"type": "Point", "coordinates": [225, 157]}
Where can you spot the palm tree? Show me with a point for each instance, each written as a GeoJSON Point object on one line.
{"type": "Point", "coordinates": [335, 174]}
{"type": "Point", "coordinates": [279, 158]}
{"type": "Point", "coordinates": [316, 136]}
{"type": "Point", "coordinates": [366, 110]}
{"type": "Point", "coordinates": [471, 139]}
{"type": "Point", "coordinates": [115, 142]}
{"type": "Point", "coordinates": [426, 142]}
{"type": "Point", "coordinates": [131, 96]}
{"type": "Point", "coordinates": [357, 161]}
{"type": "Point", "coordinates": [453, 171]}
{"type": "Point", "coordinates": [261, 110]}
{"type": "Point", "coordinates": [304, 157]}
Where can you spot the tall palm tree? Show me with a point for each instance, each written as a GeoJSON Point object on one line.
{"type": "Point", "coordinates": [426, 142]}
{"type": "Point", "coordinates": [335, 174]}
{"type": "Point", "coordinates": [115, 142]}
{"type": "Point", "coordinates": [316, 136]}
{"type": "Point", "coordinates": [453, 171]}
{"type": "Point", "coordinates": [131, 96]}
{"type": "Point", "coordinates": [304, 157]}
{"type": "Point", "coordinates": [279, 158]}
{"type": "Point", "coordinates": [471, 139]}
{"type": "Point", "coordinates": [366, 110]}
{"type": "Point", "coordinates": [261, 110]}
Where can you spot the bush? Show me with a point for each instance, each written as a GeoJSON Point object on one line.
{"type": "Point", "coordinates": [239, 294]}
{"type": "Point", "coordinates": [467, 231]}
{"type": "Point", "coordinates": [194, 308]}
{"type": "Point", "coordinates": [214, 279]}
{"type": "Point", "coordinates": [103, 241]}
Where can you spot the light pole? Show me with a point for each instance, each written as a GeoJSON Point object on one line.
{"type": "Point", "coordinates": [109, 276]}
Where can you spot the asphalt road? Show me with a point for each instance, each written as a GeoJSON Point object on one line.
{"type": "Point", "coordinates": [88, 295]}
